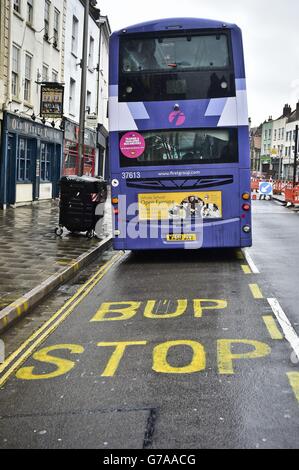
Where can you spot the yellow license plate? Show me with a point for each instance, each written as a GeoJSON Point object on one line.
{"type": "Point", "coordinates": [181, 237]}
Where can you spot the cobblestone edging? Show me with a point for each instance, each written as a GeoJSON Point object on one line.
{"type": "Point", "coordinates": [24, 304]}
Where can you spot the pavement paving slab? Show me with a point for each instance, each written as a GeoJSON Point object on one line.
{"type": "Point", "coordinates": [30, 252]}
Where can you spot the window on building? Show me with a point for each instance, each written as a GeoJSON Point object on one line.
{"type": "Point", "coordinates": [54, 76]}
{"type": "Point", "coordinates": [279, 134]}
{"type": "Point", "coordinates": [91, 53]}
{"type": "Point", "coordinates": [56, 27]}
{"type": "Point", "coordinates": [15, 71]}
{"type": "Point", "coordinates": [72, 96]}
{"type": "Point", "coordinates": [45, 162]}
{"type": "Point", "coordinates": [270, 133]}
{"type": "Point", "coordinates": [75, 29]}
{"type": "Point", "coordinates": [275, 134]}
{"type": "Point", "coordinates": [88, 101]}
{"type": "Point", "coordinates": [17, 6]}
{"type": "Point", "coordinates": [28, 77]}
{"type": "Point", "coordinates": [282, 133]}
{"type": "Point", "coordinates": [294, 136]}
{"type": "Point", "coordinates": [266, 134]}
{"type": "Point", "coordinates": [45, 76]}
{"type": "Point", "coordinates": [47, 19]}
{"type": "Point", "coordinates": [24, 161]}
{"type": "Point", "coordinates": [29, 18]}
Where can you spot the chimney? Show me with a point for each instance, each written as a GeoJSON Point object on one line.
{"type": "Point", "coordinates": [287, 110]}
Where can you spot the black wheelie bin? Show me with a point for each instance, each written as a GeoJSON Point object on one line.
{"type": "Point", "coordinates": [80, 196]}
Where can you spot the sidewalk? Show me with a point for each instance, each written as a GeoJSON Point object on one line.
{"type": "Point", "coordinates": [30, 252]}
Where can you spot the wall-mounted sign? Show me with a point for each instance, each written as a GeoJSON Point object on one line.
{"type": "Point", "coordinates": [52, 101]}
{"type": "Point", "coordinates": [16, 123]}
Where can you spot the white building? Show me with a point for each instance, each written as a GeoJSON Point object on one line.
{"type": "Point", "coordinates": [97, 88]}
{"type": "Point", "coordinates": [278, 141]}
{"type": "Point", "coordinates": [289, 151]}
{"type": "Point", "coordinates": [31, 148]}
{"type": "Point", "coordinates": [37, 50]}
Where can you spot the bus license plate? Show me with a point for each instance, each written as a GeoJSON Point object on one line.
{"type": "Point", "coordinates": [181, 237]}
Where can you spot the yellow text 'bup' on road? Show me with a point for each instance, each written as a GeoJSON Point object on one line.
{"type": "Point", "coordinates": [163, 309]}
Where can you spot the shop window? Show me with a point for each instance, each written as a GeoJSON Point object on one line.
{"type": "Point", "coordinates": [24, 160]}
{"type": "Point", "coordinates": [70, 166]}
{"type": "Point", "coordinates": [45, 162]}
{"type": "Point", "coordinates": [89, 161]}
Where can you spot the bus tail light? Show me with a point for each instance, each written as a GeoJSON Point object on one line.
{"type": "Point", "coordinates": [246, 196]}
{"type": "Point", "coordinates": [116, 211]}
{"type": "Point", "coordinates": [246, 207]}
{"type": "Point", "coordinates": [247, 229]}
{"type": "Point", "coordinates": [115, 201]}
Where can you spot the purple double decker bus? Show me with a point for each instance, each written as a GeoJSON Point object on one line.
{"type": "Point", "coordinates": [179, 136]}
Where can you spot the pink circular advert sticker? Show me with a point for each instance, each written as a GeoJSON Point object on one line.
{"type": "Point", "coordinates": [132, 145]}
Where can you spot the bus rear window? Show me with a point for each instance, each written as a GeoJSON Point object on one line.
{"type": "Point", "coordinates": [182, 67]}
{"type": "Point", "coordinates": [183, 52]}
{"type": "Point", "coordinates": [185, 147]}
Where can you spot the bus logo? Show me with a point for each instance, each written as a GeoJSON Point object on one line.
{"type": "Point", "coordinates": [177, 117]}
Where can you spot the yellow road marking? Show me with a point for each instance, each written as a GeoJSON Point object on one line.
{"type": "Point", "coordinates": [272, 327]}
{"type": "Point", "coordinates": [294, 382]}
{"type": "Point", "coordinates": [246, 269]}
{"type": "Point", "coordinates": [256, 291]}
{"type": "Point", "coordinates": [49, 326]}
{"type": "Point", "coordinates": [239, 254]}
{"type": "Point", "coordinates": [226, 356]}
{"type": "Point", "coordinates": [120, 348]}
{"type": "Point", "coordinates": [161, 364]}
{"type": "Point", "coordinates": [63, 366]}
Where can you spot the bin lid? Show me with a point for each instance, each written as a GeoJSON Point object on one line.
{"type": "Point", "coordinates": [81, 179]}
{"type": "Point", "coordinates": [86, 183]}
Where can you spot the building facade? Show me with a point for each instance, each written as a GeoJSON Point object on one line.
{"type": "Point", "coordinates": [255, 148]}
{"type": "Point", "coordinates": [31, 149]}
{"type": "Point", "coordinates": [289, 145]}
{"type": "Point", "coordinates": [4, 56]}
{"type": "Point", "coordinates": [266, 145]}
{"type": "Point", "coordinates": [41, 42]}
{"type": "Point", "coordinates": [278, 142]}
{"type": "Point", "coordinates": [97, 89]}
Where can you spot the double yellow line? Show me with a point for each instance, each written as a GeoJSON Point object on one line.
{"type": "Point", "coordinates": [18, 357]}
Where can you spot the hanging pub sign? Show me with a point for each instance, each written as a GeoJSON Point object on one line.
{"type": "Point", "coordinates": [52, 101]}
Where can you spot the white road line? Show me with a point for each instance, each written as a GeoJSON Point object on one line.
{"type": "Point", "coordinates": [289, 332]}
{"type": "Point", "coordinates": [250, 261]}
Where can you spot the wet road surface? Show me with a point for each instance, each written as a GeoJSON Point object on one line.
{"type": "Point", "coordinates": [165, 350]}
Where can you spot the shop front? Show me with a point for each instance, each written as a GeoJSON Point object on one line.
{"type": "Point", "coordinates": [71, 161]}
{"type": "Point", "coordinates": [30, 164]}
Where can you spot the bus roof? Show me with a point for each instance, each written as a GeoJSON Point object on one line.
{"type": "Point", "coordinates": [177, 24]}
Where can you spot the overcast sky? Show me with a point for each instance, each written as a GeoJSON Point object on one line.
{"type": "Point", "coordinates": [270, 34]}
